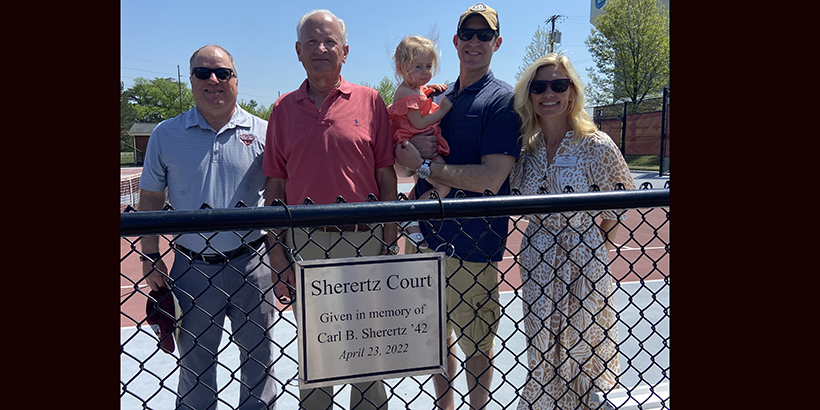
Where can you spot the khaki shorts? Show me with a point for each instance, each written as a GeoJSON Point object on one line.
{"type": "Point", "coordinates": [316, 244]}
{"type": "Point", "coordinates": [473, 309]}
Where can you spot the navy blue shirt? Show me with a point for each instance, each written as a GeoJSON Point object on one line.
{"type": "Point", "coordinates": [482, 121]}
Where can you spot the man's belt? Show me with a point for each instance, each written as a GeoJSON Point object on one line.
{"type": "Point", "coordinates": [345, 228]}
{"type": "Point", "coordinates": [216, 258]}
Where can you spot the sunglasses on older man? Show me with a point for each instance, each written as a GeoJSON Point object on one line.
{"type": "Point", "coordinates": [204, 73]}
{"type": "Point", "coordinates": [559, 86]}
{"type": "Point", "coordinates": [484, 34]}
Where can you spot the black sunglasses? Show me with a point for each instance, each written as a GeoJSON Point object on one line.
{"type": "Point", "coordinates": [205, 73]}
{"type": "Point", "coordinates": [559, 86]}
{"type": "Point", "coordinates": [484, 34]}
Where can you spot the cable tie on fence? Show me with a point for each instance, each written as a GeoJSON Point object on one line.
{"type": "Point", "coordinates": [279, 202]}
{"type": "Point", "coordinates": [294, 256]}
{"type": "Point", "coordinates": [294, 379]}
{"type": "Point", "coordinates": [448, 245]}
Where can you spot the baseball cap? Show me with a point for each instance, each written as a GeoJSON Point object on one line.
{"type": "Point", "coordinates": [162, 314]}
{"type": "Point", "coordinates": [483, 10]}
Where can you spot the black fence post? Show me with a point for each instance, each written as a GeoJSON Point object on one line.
{"type": "Point", "coordinates": [664, 106]}
{"type": "Point", "coordinates": [623, 130]}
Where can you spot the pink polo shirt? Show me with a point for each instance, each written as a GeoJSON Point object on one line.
{"type": "Point", "coordinates": [329, 152]}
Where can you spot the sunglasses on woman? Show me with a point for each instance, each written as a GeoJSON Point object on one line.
{"type": "Point", "coordinates": [559, 86]}
{"type": "Point", "coordinates": [484, 34]}
{"type": "Point", "coordinates": [204, 73]}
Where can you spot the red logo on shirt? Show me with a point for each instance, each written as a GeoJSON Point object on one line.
{"type": "Point", "coordinates": [247, 138]}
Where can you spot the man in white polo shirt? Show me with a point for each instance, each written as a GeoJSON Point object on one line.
{"type": "Point", "coordinates": [213, 154]}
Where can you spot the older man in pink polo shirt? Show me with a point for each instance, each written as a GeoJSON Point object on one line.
{"type": "Point", "coordinates": [329, 138]}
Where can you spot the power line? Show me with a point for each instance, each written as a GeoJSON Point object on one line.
{"type": "Point", "coordinates": [147, 61]}
{"type": "Point", "coordinates": [147, 71]}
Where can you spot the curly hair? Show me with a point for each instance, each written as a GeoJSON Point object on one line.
{"type": "Point", "coordinates": [409, 49]}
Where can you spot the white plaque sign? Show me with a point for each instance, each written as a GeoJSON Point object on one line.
{"type": "Point", "coordinates": [370, 318]}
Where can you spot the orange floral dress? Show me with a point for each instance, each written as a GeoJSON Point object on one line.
{"type": "Point", "coordinates": [400, 125]}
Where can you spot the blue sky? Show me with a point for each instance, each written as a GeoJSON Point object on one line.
{"type": "Point", "coordinates": [157, 36]}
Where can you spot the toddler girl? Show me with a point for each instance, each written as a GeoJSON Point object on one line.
{"type": "Point", "coordinates": [412, 112]}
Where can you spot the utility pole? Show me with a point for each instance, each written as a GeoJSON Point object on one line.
{"type": "Point", "coordinates": [555, 36]}
{"type": "Point", "coordinates": [179, 82]}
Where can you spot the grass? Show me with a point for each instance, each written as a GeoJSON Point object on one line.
{"type": "Point", "coordinates": [643, 162]}
{"type": "Point", "coordinates": [126, 159]}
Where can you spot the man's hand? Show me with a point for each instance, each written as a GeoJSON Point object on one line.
{"type": "Point", "coordinates": [284, 283]}
{"type": "Point", "coordinates": [426, 144]}
{"type": "Point", "coordinates": [155, 275]}
{"type": "Point", "coordinates": [285, 286]}
{"type": "Point", "coordinates": [408, 156]}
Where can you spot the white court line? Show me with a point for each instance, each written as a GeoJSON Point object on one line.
{"type": "Point", "coordinates": [624, 248]}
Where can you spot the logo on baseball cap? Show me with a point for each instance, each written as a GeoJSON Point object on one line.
{"type": "Point", "coordinates": [483, 10]}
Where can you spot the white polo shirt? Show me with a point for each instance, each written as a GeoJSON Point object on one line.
{"type": "Point", "coordinates": [201, 165]}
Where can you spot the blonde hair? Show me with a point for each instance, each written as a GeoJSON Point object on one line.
{"type": "Point", "coordinates": [409, 49]}
{"type": "Point", "coordinates": [579, 120]}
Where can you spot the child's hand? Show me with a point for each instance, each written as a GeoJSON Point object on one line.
{"type": "Point", "coordinates": [445, 104]}
{"type": "Point", "coordinates": [438, 87]}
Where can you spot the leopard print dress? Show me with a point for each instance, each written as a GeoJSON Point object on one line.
{"type": "Point", "coordinates": [566, 287]}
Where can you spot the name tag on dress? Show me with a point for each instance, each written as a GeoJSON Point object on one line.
{"type": "Point", "coordinates": [566, 160]}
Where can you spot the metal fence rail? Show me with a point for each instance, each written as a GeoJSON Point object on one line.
{"type": "Point", "coordinates": [639, 271]}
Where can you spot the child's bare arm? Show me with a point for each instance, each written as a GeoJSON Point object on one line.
{"type": "Point", "coordinates": [421, 122]}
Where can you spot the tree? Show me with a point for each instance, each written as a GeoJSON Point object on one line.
{"type": "Point", "coordinates": [539, 46]}
{"type": "Point", "coordinates": [159, 99]}
{"type": "Point", "coordinates": [630, 48]}
{"type": "Point", "coordinates": [127, 117]}
{"type": "Point", "coordinates": [386, 89]}
{"type": "Point", "coordinates": [254, 108]}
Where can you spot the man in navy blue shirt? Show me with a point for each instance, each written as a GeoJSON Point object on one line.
{"type": "Point", "coordinates": [482, 130]}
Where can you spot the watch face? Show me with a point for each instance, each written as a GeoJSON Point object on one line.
{"type": "Point", "coordinates": [424, 170]}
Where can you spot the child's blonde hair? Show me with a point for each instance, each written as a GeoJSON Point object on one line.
{"type": "Point", "coordinates": [409, 49]}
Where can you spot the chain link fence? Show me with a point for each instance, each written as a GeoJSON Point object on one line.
{"type": "Point", "coordinates": [638, 271]}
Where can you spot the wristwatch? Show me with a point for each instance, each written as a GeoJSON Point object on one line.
{"type": "Point", "coordinates": [424, 170]}
{"type": "Point", "coordinates": [393, 250]}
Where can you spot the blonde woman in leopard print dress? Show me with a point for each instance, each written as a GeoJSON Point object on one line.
{"type": "Point", "coordinates": [566, 288]}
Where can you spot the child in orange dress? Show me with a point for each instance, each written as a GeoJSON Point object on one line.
{"type": "Point", "coordinates": [413, 113]}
